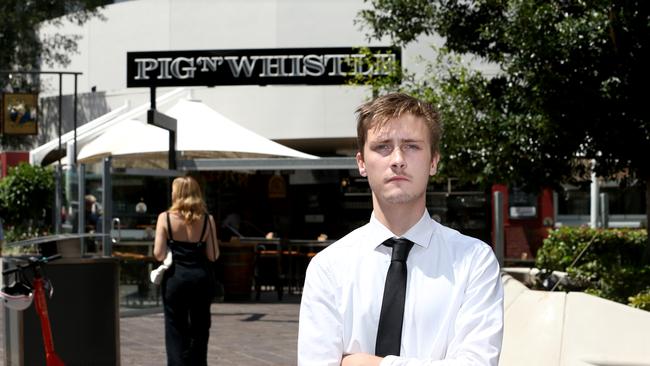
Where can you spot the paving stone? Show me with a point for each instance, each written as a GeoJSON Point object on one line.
{"type": "Point", "coordinates": [242, 334]}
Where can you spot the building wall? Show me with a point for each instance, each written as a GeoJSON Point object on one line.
{"type": "Point", "coordinates": [276, 112]}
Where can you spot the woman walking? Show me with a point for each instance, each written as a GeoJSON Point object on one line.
{"type": "Point", "coordinates": [189, 232]}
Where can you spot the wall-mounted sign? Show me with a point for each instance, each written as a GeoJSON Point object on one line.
{"type": "Point", "coordinates": [277, 187]}
{"type": "Point", "coordinates": [310, 66]}
{"type": "Point", "coordinates": [522, 205]}
{"type": "Point", "coordinates": [19, 114]}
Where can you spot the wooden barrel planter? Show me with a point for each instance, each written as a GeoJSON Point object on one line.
{"type": "Point", "coordinates": [237, 261]}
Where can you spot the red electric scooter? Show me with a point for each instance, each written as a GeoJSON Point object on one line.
{"type": "Point", "coordinates": [20, 293]}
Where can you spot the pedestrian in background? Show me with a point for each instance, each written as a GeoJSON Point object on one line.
{"type": "Point", "coordinates": [366, 301]}
{"type": "Point", "coordinates": [188, 287]}
{"type": "Point", "coordinates": [93, 213]}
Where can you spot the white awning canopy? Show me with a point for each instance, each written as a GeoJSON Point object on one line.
{"type": "Point", "coordinates": [49, 152]}
{"type": "Point", "coordinates": [201, 133]}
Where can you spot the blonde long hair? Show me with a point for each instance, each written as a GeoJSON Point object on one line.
{"type": "Point", "coordinates": [187, 199]}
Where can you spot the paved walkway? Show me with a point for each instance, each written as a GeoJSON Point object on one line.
{"type": "Point", "coordinates": [242, 334]}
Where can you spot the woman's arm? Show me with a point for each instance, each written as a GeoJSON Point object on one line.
{"type": "Point", "coordinates": [160, 243]}
{"type": "Point", "coordinates": [212, 249]}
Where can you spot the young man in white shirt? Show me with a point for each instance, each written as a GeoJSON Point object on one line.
{"type": "Point", "coordinates": [452, 299]}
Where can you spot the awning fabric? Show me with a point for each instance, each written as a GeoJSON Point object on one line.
{"type": "Point", "coordinates": [49, 151]}
{"type": "Point", "coordinates": [202, 133]}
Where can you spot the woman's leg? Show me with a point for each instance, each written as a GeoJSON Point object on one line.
{"type": "Point", "coordinates": [200, 322]}
{"type": "Point", "coordinates": [176, 309]}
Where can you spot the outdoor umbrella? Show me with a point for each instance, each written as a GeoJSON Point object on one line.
{"type": "Point", "coordinates": [202, 133]}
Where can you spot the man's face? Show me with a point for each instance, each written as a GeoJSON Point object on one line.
{"type": "Point", "coordinates": [397, 160]}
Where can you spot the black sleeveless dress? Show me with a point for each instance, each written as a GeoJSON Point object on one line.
{"type": "Point", "coordinates": [187, 292]}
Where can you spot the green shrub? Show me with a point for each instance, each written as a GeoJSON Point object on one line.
{"type": "Point", "coordinates": [26, 198]}
{"type": "Point", "coordinates": [641, 300]}
{"type": "Point", "coordinates": [610, 267]}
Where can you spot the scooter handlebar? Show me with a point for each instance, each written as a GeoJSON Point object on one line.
{"type": "Point", "coordinates": [31, 262]}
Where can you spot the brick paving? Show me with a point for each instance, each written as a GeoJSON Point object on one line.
{"type": "Point", "coordinates": [242, 334]}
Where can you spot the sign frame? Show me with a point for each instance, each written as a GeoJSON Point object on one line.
{"type": "Point", "coordinates": [272, 66]}
{"type": "Point", "coordinates": [19, 114]}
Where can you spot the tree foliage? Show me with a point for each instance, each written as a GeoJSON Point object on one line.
{"type": "Point", "coordinates": [26, 195]}
{"type": "Point", "coordinates": [571, 81]}
{"type": "Point", "coordinates": [570, 86]}
{"type": "Point", "coordinates": [21, 46]}
{"type": "Point", "coordinates": [489, 136]}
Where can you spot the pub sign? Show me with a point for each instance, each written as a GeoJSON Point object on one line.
{"type": "Point", "coordinates": [19, 114]}
{"type": "Point", "coordinates": [300, 66]}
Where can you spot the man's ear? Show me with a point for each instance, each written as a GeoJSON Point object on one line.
{"type": "Point", "coordinates": [434, 164]}
{"type": "Point", "coordinates": [361, 164]}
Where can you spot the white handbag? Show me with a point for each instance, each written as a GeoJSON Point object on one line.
{"type": "Point", "coordinates": [157, 274]}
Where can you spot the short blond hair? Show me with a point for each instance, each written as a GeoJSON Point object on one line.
{"type": "Point", "coordinates": [378, 112]}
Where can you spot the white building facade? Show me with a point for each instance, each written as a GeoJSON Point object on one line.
{"type": "Point", "coordinates": [317, 119]}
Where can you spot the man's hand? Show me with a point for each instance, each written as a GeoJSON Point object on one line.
{"type": "Point", "coordinates": [360, 359]}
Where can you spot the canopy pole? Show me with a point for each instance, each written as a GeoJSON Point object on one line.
{"type": "Point", "coordinates": [165, 122]}
{"type": "Point", "coordinates": [58, 200]}
{"type": "Point", "coordinates": [81, 207]}
{"type": "Point", "coordinates": [107, 207]}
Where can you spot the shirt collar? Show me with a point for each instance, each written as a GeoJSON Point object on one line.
{"type": "Point", "coordinates": [420, 233]}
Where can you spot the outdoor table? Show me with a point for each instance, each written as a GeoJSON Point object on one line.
{"type": "Point", "coordinates": [301, 253]}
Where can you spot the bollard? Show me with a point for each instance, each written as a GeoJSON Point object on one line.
{"type": "Point", "coordinates": [498, 227]}
{"type": "Point", "coordinates": [604, 210]}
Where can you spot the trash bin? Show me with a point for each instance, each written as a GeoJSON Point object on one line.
{"type": "Point", "coordinates": [83, 312]}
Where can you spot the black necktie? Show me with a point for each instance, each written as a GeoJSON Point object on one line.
{"type": "Point", "coordinates": [389, 331]}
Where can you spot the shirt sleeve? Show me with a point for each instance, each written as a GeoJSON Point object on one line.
{"type": "Point", "coordinates": [320, 329]}
{"type": "Point", "coordinates": [478, 330]}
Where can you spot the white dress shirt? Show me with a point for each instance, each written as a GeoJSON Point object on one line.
{"type": "Point", "coordinates": [454, 298]}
